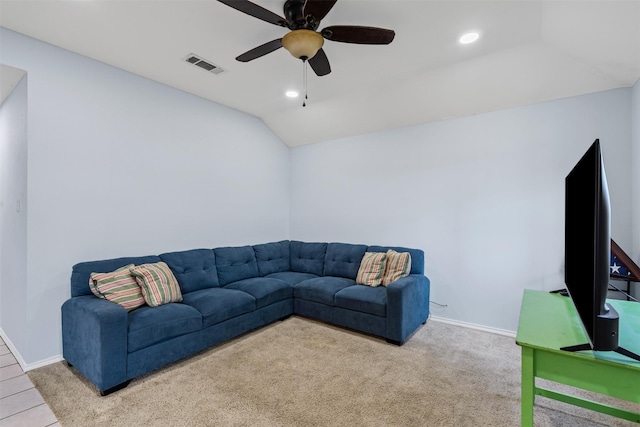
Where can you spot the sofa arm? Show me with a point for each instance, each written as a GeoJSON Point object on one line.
{"type": "Point", "coordinates": [407, 306]}
{"type": "Point", "coordinates": [94, 339]}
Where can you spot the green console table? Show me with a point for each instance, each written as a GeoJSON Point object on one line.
{"type": "Point", "coordinates": [549, 322]}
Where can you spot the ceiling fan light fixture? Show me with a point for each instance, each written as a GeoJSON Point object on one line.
{"type": "Point", "coordinates": [303, 43]}
{"type": "Point", "coordinates": [292, 94]}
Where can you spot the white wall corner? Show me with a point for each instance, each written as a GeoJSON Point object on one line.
{"type": "Point", "coordinates": [14, 350]}
{"type": "Point", "coordinates": [635, 174]}
{"type": "Point", "coordinates": [9, 79]}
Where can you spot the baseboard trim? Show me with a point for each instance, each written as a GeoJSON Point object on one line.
{"type": "Point", "coordinates": [13, 349]}
{"type": "Point", "coordinates": [474, 326]}
{"type": "Point", "coordinates": [24, 365]}
{"type": "Point", "coordinates": [45, 362]}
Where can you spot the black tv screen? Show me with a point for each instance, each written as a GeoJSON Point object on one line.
{"type": "Point", "coordinates": [587, 244]}
{"type": "Point", "coordinates": [587, 252]}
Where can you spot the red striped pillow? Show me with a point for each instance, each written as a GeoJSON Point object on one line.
{"type": "Point", "coordinates": [118, 286]}
{"type": "Point", "coordinates": [157, 282]}
{"type": "Point", "coordinates": [371, 269]}
{"type": "Point", "coordinates": [398, 266]}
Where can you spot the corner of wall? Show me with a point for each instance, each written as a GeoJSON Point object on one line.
{"type": "Point", "coordinates": [9, 78]}
{"type": "Point", "coordinates": [635, 172]}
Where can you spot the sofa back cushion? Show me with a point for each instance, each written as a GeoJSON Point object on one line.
{"type": "Point", "coordinates": [307, 257]}
{"type": "Point", "coordinates": [235, 263]}
{"type": "Point", "coordinates": [273, 257]}
{"type": "Point", "coordinates": [81, 272]}
{"type": "Point", "coordinates": [417, 256]}
{"type": "Point", "coordinates": [194, 269]}
{"type": "Point", "coordinates": [343, 259]}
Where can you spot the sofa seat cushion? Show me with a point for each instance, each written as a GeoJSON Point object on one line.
{"type": "Point", "coordinates": [265, 290]}
{"type": "Point", "coordinates": [292, 277]}
{"type": "Point", "coordinates": [322, 289]}
{"type": "Point", "coordinates": [365, 299]}
{"type": "Point", "coordinates": [151, 325]}
{"type": "Point", "coordinates": [219, 304]}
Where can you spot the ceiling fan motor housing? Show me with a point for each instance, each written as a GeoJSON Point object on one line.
{"type": "Point", "coordinates": [294, 14]}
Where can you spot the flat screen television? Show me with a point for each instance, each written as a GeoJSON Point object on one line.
{"type": "Point", "coordinates": [587, 252]}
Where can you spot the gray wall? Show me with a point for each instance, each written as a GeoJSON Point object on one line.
{"type": "Point", "coordinates": [120, 165]}
{"type": "Point", "coordinates": [482, 195]}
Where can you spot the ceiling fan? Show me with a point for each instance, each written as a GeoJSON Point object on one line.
{"type": "Point", "coordinates": [303, 18]}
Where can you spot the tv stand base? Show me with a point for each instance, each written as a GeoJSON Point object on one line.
{"type": "Point", "coordinates": [586, 346]}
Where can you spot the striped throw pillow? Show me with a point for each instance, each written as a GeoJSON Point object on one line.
{"type": "Point", "coordinates": [371, 269]}
{"type": "Point", "coordinates": [157, 282]}
{"type": "Point", "coordinates": [117, 286]}
{"type": "Point", "coordinates": [398, 266]}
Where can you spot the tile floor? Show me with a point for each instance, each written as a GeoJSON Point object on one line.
{"type": "Point", "coordinates": [20, 403]}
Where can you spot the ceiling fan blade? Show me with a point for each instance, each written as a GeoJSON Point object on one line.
{"type": "Point", "coordinates": [318, 8]}
{"type": "Point", "coordinates": [261, 50]}
{"type": "Point", "coordinates": [359, 35]}
{"type": "Point", "coordinates": [320, 63]}
{"type": "Point", "coordinates": [256, 11]}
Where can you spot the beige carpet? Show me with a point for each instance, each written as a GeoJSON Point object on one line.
{"type": "Point", "coordinates": [304, 373]}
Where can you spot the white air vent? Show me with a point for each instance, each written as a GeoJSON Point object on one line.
{"type": "Point", "coordinates": [203, 63]}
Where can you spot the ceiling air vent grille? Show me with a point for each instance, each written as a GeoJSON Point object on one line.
{"type": "Point", "coordinates": [203, 63]}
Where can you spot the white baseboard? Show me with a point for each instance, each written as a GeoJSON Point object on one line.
{"type": "Point", "coordinates": [44, 362]}
{"type": "Point", "coordinates": [24, 365]}
{"type": "Point", "coordinates": [474, 326]}
{"type": "Point", "coordinates": [13, 349]}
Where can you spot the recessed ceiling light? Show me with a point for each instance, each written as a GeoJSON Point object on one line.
{"type": "Point", "coordinates": [292, 94]}
{"type": "Point", "coordinates": [469, 38]}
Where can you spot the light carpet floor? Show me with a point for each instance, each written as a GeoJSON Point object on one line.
{"type": "Point", "coordinates": [300, 372]}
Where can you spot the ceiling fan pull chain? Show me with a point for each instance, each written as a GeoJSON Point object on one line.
{"type": "Point", "coordinates": [304, 82]}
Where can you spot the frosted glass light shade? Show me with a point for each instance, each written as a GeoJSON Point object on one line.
{"type": "Point", "coordinates": [302, 43]}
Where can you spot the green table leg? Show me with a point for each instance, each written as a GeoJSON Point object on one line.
{"type": "Point", "coordinates": [528, 387]}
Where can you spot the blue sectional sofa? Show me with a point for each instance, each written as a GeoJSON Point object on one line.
{"type": "Point", "coordinates": [227, 292]}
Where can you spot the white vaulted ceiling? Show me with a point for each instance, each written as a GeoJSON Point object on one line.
{"type": "Point", "coordinates": [528, 52]}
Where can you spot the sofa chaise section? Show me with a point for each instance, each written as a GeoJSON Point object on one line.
{"type": "Point", "coordinates": [393, 312]}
